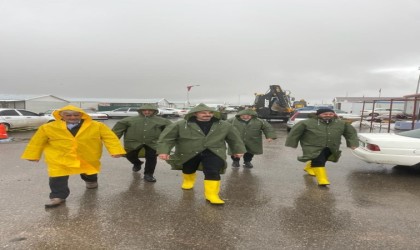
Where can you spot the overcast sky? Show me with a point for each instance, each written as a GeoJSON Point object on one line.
{"type": "Point", "coordinates": [316, 49]}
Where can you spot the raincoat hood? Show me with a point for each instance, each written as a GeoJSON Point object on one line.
{"type": "Point", "coordinates": [202, 107]}
{"type": "Point", "coordinates": [57, 115]}
{"type": "Point", "coordinates": [148, 106]}
{"type": "Point", "coordinates": [246, 112]}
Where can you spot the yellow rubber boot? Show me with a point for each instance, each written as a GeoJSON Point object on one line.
{"type": "Point", "coordinates": [211, 191]}
{"type": "Point", "coordinates": [321, 176]}
{"type": "Point", "coordinates": [189, 180]}
{"type": "Point", "coordinates": [309, 169]}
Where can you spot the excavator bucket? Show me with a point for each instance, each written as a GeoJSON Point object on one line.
{"type": "Point", "coordinates": [276, 107]}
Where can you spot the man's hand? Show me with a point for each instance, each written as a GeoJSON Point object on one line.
{"type": "Point", "coordinates": [164, 157]}
{"type": "Point", "coordinates": [238, 155]}
{"type": "Point", "coordinates": [116, 156]}
{"type": "Point", "coordinates": [353, 147]}
{"type": "Point", "coordinates": [269, 140]}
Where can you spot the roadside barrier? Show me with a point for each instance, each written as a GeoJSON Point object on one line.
{"type": "Point", "coordinates": [3, 132]}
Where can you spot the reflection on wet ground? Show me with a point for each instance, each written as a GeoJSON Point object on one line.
{"type": "Point", "coordinates": [275, 205]}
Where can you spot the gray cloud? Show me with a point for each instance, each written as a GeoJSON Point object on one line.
{"type": "Point", "coordinates": [317, 50]}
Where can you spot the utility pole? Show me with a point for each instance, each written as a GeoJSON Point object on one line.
{"type": "Point", "coordinates": [188, 93]}
{"type": "Point", "coordinates": [418, 83]}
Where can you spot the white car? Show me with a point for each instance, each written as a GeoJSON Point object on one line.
{"type": "Point", "coordinates": [299, 116]}
{"type": "Point", "coordinates": [20, 118]}
{"type": "Point", "coordinates": [231, 109]}
{"type": "Point", "coordinates": [121, 112]}
{"type": "Point", "coordinates": [95, 115]}
{"type": "Point", "coordinates": [382, 111]}
{"type": "Point", "coordinates": [182, 112]}
{"type": "Point", "coordinates": [347, 116]}
{"type": "Point", "coordinates": [396, 149]}
{"type": "Point", "coordinates": [168, 112]}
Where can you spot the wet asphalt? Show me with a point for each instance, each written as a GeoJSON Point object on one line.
{"type": "Point", "coordinates": [275, 205]}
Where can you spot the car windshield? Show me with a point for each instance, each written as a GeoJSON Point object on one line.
{"type": "Point", "coordinates": [89, 110]}
{"type": "Point", "coordinates": [412, 133]}
{"type": "Point", "coordinates": [304, 115]}
{"type": "Point", "coordinates": [337, 111]}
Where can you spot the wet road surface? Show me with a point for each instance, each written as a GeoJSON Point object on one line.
{"type": "Point", "coordinates": [275, 205]}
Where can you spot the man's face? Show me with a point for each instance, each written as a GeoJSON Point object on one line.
{"type": "Point", "coordinates": [245, 117]}
{"type": "Point", "coordinates": [70, 116]}
{"type": "Point", "coordinates": [148, 112]}
{"type": "Point", "coordinates": [204, 116]}
{"type": "Point", "coordinates": [327, 115]}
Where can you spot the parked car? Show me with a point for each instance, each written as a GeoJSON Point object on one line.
{"type": "Point", "coordinates": [121, 112]}
{"type": "Point", "coordinates": [382, 111]}
{"type": "Point", "coordinates": [182, 112]}
{"type": "Point", "coordinates": [231, 109]}
{"type": "Point", "coordinates": [20, 118]}
{"type": "Point", "coordinates": [299, 116]}
{"type": "Point", "coordinates": [95, 115]}
{"type": "Point", "coordinates": [306, 108]}
{"type": "Point", "coordinates": [347, 116]}
{"type": "Point", "coordinates": [396, 149]}
{"type": "Point", "coordinates": [168, 112]}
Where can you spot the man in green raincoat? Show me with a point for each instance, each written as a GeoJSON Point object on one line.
{"type": "Point", "coordinates": [251, 129]}
{"type": "Point", "coordinates": [320, 139]}
{"type": "Point", "coordinates": [200, 144]}
{"type": "Point", "coordinates": [141, 134]}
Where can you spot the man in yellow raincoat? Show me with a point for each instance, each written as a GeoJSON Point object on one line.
{"type": "Point", "coordinates": [72, 145]}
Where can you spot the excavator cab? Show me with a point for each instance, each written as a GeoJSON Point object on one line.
{"type": "Point", "coordinates": [275, 104]}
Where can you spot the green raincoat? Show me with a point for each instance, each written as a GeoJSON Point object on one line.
{"type": "Point", "coordinates": [251, 131]}
{"type": "Point", "coordinates": [188, 139]}
{"type": "Point", "coordinates": [315, 134]}
{"type": "Point", "coordinates": [141, 130]}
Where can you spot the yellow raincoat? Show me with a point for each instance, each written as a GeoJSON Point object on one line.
{"type": "Point", "coordinates": [66, 154]}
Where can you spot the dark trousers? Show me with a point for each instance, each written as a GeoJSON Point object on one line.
{"type": "Point", "coordinates": [212, 164]}
{"type": "Point", "coordinates": [247, 157]}
{"type": "Point", "coordinates": [60, 188]}
{"type": "Point", "coordinates": [321, 159]}
{"type": "Point", "coordinates": [150, 156]}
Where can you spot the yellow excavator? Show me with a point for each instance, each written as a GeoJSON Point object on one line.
{"type": "Point", "coordinates": [275, 104]}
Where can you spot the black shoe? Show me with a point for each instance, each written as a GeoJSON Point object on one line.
{"type": "Point", "coordinates": [137, 167]}
{"type": "Point", "coordinates": [248, 165]}
{"type": "Point", "coordinates": [91, 185]}
{"type": "Point", "coordinates": [149, 178]}
{"type": "Point", "coordinates": [235, 164]}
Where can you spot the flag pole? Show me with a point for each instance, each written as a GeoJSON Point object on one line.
{"type": "Point", "coordinates": [188, 93]}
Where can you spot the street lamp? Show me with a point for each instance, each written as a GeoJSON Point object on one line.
{"type": "Point", "coordinates": [188, 93]}
{"type": "Point", "coordinates": [418, 83]}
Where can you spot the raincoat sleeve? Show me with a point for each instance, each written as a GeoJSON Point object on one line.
{"type": "Point", "coordinates": [111, 141]}
{"type": "Point", "coordinates": [350, 134]}
{"type": "Point", "coordinates": [120, 127]}
{"type": "Point", "coordinates": [295, 134]}
{"type": "Point", "coordinates": [235, 142]}
{"type": "Point", "coordinates": [36, 145]}
{"type": "Point", "coordinates": [268, 130]}
{"type": "Point", "coordinates": [167, 139]}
